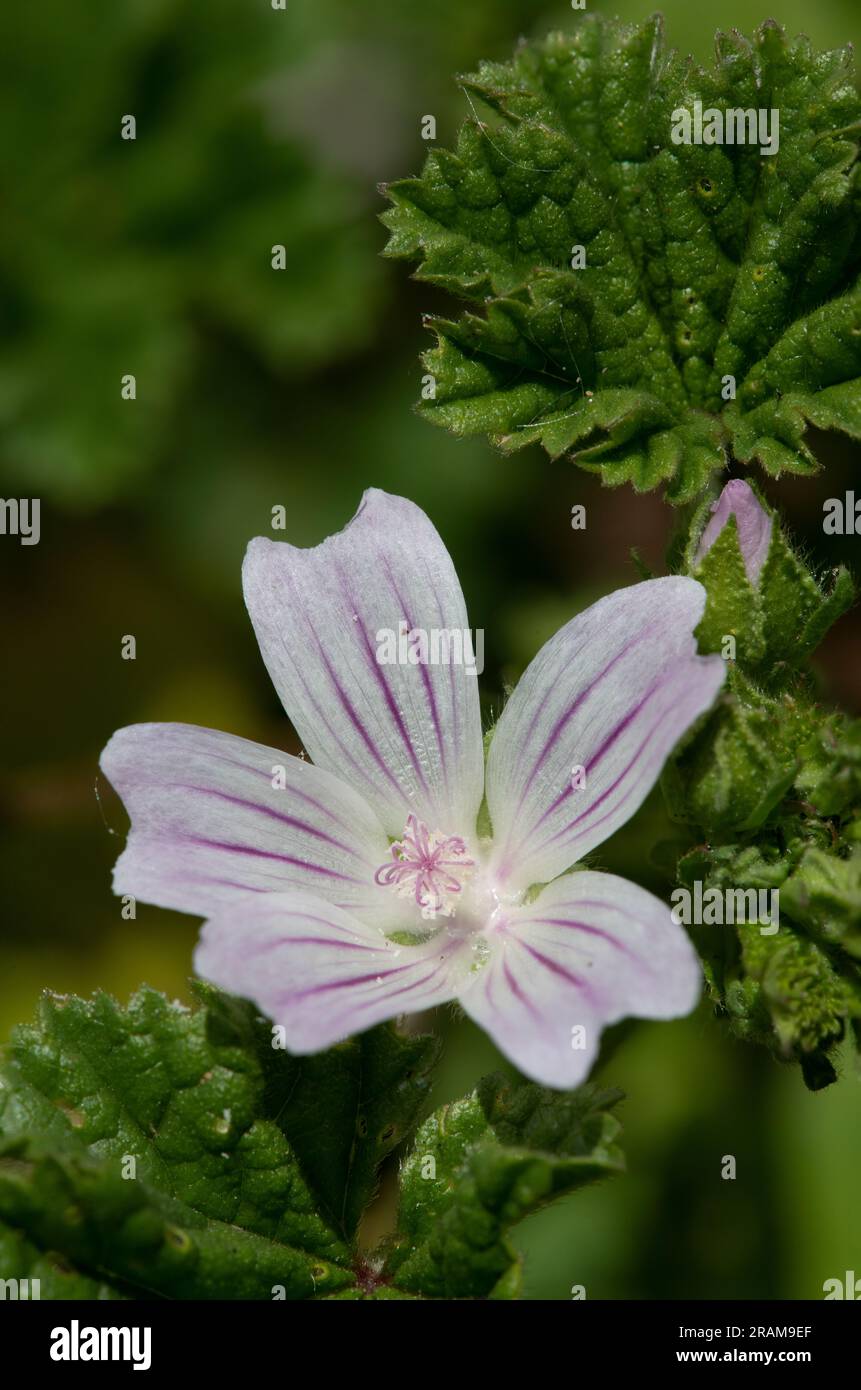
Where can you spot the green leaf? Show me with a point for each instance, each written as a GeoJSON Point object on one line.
{"type": "Point", "coordinates": [156, 1151]}
{"type": "Point", "coordinates": [808, 1000]}
{"type": "Point", "coordinates": [250, 1166]}
{"type": "Point", "coordinates": [136, 1237]}
{"type": "Point", "coordinates": [796, 608]}
{"type": "Point", "coordinates": [702, 262]}
{"type": "Point", "coordinates": [824, 895]}
{"type": "Point", "coordinates": [796, 991]}
{"type": "Point", "coordinates": [732, 774]}
{"type": "Point", "coordinates": [830, 776]}
{"type": "Point", "coordinates": [479, 1166]}
{"type": "Point", "coordinates": [371, 1090]}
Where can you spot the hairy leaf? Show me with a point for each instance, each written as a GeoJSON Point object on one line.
{"type": "Point", "coordinates": [718, 310]}
{"type": "Point", "coordinates": [370, 1091]}
{"type": "Point", "coordinates": [481, 1165]}
{"type": "Point", "coordinates": [250, 1167]}
{"type": "Point", "coordinates": [156, 1151]}
{"type": "Point", "coordinates": [796, 990]}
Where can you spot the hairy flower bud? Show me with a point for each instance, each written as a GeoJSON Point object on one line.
{"type": "Point", "coordinates": [752, 520]}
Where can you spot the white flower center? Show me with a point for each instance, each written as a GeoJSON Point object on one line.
{"type": "Point", "coordinates": [428, 866]}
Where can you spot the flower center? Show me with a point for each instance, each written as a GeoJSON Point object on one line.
{"type": "Point", "coordinates": [428, 866]}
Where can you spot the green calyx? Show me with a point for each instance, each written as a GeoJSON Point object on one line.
{"type": "Point", "coordinates": [771, 783]}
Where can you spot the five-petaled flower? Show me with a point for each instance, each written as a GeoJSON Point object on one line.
{"type": "Point", "coordinates": [358, 887]}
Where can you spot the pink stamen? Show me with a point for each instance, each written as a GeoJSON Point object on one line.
{"type": "Point", "coordinates": [423, 865]}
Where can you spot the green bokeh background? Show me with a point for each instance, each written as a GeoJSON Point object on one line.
{"type": "Point", "coordinates": [255, 388]}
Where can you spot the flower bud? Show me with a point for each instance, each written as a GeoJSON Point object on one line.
{"type": "Point", "coordinates": [752, 521]}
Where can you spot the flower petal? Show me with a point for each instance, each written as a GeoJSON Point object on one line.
{"type": "Point", "coordinates": [611, 693]}
{"type": "Point", "coordinates": [209, 827]}
{"type": "Point", "coordinates": [407, 736]}
{"type": "Point", "coordinates": [589, 950]}
{"type": "Point", "coordinates": [321, 973]}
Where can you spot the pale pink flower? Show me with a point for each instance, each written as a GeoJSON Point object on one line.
{"type": "Point", "coordinates": [357, 888]}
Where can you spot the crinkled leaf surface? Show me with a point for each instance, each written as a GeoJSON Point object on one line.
{"type": "Point", "coordinates": [796, 991]}
{"type": "Point", "coordinates": [156, 1151]}
{"type": "Point", "coordinates": [250, 1169]}
{"type": "Point", "coordinates": [481, 1165]}
{"type": "Point", "coordinates": [341, 1111]}
{"type": "Point", "coordinates": [772, 765]}
{"type": "Point", "coordinates": [702, 262]}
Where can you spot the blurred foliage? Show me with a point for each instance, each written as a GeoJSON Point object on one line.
{"type": "Point", "coordinates": [119, 254]}
{"type": "Point", "coordinates": [146, 516]}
